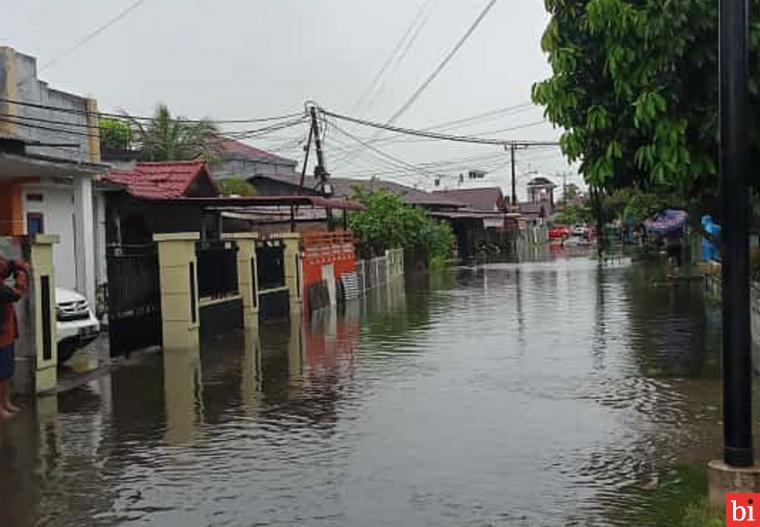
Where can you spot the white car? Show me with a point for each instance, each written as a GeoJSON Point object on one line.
{"type": "Point", "coordinates": [579, 230]}
{"type": "Point", "coordinates": [77, 325]}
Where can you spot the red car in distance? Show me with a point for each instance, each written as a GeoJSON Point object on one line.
{"type": "Point", "coordinates": [559, 232]}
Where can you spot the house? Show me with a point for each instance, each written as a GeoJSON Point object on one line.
{"type": "Point", "coordinates": [50, 172]}
{"type": "Point", "coordinates": [487, 199]}
{"type": "Point", "coordinates": [344, 188]}
{"type": "Point", "coordinates": [533, 213]}
{"type": "Point", "coordinates": [143, 201]}
{"type": "Point", "coordinates": [238, 159]}
{"type": "Point", "coordinates": [541, 190]}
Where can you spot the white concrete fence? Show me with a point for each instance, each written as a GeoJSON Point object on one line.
{"type": "Point", "coordinates": [380, 270]}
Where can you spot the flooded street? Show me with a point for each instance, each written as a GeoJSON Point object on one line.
{"type": "Point", "coordinates": [549, 393]}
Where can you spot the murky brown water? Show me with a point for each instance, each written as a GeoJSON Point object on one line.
{"type": "Point", "coordinates": [547, 393]}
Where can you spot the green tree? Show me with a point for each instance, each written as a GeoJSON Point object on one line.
{"type": "Point", "coordinates": [388, 223]}
{"type": "Point", "coordinates": [634, 85]}
{"type": "Point", "coordinates": [573, 213]}
{"type": "Point", "coordinates": [235, 186]}
{"type": "Point", "coordinates": [115, 134]}
{"type": "Point", "coordinates": [570, 192]}
{"type": "Point", "coordinates": [166, 138]}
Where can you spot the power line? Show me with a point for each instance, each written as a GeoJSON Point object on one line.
{"type": "Point", "coordinates": [248, 134]}
{"type": "Point", "coordinates": [408, 104]}
{"type": "Point", "coordinates": [84, 40]}
{"type": "Point", "coordinates": [465, 122]}
{"type": "Point", "coordinates": [435, 135]}
{"type": "Point", "coordinates": [380, 152]}
{"type": "Point", "coordinates": [75, 111]}
{"type": "Point", "coordinates": [397, 48]}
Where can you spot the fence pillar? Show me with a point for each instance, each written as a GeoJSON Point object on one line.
{"type": "Point", "coordinates": [37, 357]}
{"type": "Point", "coordinates": [247, 276]}
{"type": "Point", "coordinates": [178, 273]}
{"type": "Point", "coordinates": [293, 270]}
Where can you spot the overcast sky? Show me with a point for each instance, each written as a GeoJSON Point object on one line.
{"type": "Point", "coordinates": [255, 58]}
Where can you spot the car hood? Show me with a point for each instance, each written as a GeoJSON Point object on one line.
{"type": "Point", "coordinates": [67, 295]}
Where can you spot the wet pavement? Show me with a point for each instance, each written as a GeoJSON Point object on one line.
{"type": "Point", "coordinates": [544, 393]}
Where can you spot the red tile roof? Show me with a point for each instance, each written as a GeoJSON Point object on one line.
{"type": "Point", "coordinates": [238, 148]}
{"type": "Point", "coordinates": [165, 180]}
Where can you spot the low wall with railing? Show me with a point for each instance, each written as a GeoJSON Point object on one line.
{"type": "Point", "coordinates": [380, 270]}
{"type": "Point", "coordinates": [219, 301]}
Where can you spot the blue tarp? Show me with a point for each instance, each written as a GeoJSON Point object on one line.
{"type": "Point", "coordinates": [710, 253]}
{"type": "Point", "coordinates": [668, 223]}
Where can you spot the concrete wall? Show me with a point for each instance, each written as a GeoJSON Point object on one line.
{"type": "Point", "coordinates": [248, 168]}
{"type": "Point", "coordinates": [30, 89]}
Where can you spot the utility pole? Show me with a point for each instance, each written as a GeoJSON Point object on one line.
{"type": "Point", "coordinates": [512, 149]}
{"type": "Point", "coordinates": [320, 171]}
{"type": "Point", "coordinates": [564, 187]}
{"type": "Point", "coordinates": [734, 165]}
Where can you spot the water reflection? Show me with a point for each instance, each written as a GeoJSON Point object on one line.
{"type": "Point", "coordinates": [183, 398]}
{"type": "Point", "coordinates": [540, 393]}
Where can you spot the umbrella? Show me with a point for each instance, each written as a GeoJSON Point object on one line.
{"type": "Point", "coordinates": [668, 222]}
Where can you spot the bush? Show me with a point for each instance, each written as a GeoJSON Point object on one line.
{"type": "Point", "coordinates": [388, 223]}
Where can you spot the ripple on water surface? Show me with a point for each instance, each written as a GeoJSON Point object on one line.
{"type": "Point", "coordinates": [551, 393]}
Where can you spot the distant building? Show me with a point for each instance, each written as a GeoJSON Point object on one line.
{"type": "Point", "coordinates": [533, 213]}
{"type": "Point", "coordinates": [488, 199]}
{"type": "Point", "coordinates": [541, 190]}
{"type": "Point", "coordinates": [246, 161]}
{"type": "Point", "coordinates": [540, 204]}
{"type": "Point", "coordinates": [278, 185]}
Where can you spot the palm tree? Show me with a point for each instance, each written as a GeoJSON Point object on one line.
{"type": "Point", "coordinates": [167, 138]}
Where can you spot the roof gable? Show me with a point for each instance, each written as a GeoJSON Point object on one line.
{"type": "Point", "coordinates": [162, 180]}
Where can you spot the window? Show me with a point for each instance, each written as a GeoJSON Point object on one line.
{"type": "Point", "coordinates": [35, 223]}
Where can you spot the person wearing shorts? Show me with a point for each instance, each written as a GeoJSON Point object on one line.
{"type": "Point", "coordinates": [9, 295]}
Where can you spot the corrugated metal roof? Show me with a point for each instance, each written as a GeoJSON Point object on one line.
{"type": "Point", "coordinates": [487, 198]}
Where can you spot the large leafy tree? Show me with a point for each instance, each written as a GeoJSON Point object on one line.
{"type": "Point", "coordinates": [635, 86]}
{"type": "Point", "coordinates": [168, 138]}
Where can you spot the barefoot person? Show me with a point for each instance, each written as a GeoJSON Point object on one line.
{"type": "Point", "coordinates": [9, 295]}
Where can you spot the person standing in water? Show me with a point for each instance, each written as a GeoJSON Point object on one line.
{"type": "Point", "coordinates": [9, 295]}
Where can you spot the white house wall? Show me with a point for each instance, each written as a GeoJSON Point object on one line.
{"type": "Point", "coordinates": [57, 208]}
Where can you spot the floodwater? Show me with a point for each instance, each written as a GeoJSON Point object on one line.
{"type": "Point", "coordinates": [544, 393]}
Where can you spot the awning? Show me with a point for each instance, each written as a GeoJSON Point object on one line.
{"type": "Point", "coordinates": [36, 166]}
{"type": "Point", "coordinates": [469, 215]}
{"type": "Point", "coordinates": [237, 203]}
{"type": "Point", "coordinates": [668, 222]}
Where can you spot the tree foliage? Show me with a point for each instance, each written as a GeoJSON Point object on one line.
{"type": "Point", "coordinates": [635, 86]}
{"type": "Point", "coordinates": [115, 134]}
{"type": "Point", "coordinates": [574, 213]}
{"type": "Point", "coordinates": [235, 186]}
{"type": "Point", "coordinates": [167, 138]}
{"type": "Point", "coordinates": [388, 223]}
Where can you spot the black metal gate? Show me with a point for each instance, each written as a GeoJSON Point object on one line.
{"type": "Point", "coordinates": [134, 298]}
{"type": "Point", "coordinates": [274, 300]}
